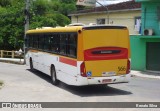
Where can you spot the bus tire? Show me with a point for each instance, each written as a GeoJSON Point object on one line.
{"type": "Point", "coordinates": [53, 76]}
{"type": "Point", "coordinates": [31, 64]}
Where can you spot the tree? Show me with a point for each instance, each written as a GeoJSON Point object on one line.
{"type": "Point", "coordinates": [43, 13]}
{"type": "Point", "coordinates": [46, 14]}
{"type": "Point", "coordinates": [4, 3]}
{"type": "Point", "coordinates": [11, 26]}
{"type": "Point", "coordinates": [39, 7]}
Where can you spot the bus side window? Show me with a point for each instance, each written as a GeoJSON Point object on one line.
{"type": "Point", "coordinates": [63, 44]}
{"type": "Point", "coordinates": [58, 43]}
{"type": "Point", "coordinates": [72, 45]}
{"type": "Point", "coordinates": [55, 39]}
{"type": "Point", "coordinates": [26, 41]}
{"type": "Point", "coordinates": [46, 42]}
{"type": "Point", "coordinates": [41, 42]}
{"type": "Point", "coordinates": [30, 41]}
{"type": "Point", "coordinates": [35, 41]}
{"type": "Point", "coordinates": [50, 41]}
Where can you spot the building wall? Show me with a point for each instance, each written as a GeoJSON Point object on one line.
{"type": "Point", "coordinates": [150, 20]}
{"type": "Point", "coordinates": [138, 50]}
{"type": "Point", "coordinates": [151, 16]}
{"type": "Point", "coordinates": [147, 0]}
{"type": "Point", "coordinates": [126, 18]}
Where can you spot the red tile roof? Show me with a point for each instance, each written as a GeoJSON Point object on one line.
{"type": "Point", "coordinates": [113, 7]}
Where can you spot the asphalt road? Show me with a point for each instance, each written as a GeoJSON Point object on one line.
{"type": "Point", "coordinates": [23, 85]}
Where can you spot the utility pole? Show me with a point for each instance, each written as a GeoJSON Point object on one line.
{"type": "Point", "coordinates": [27, 2]}
{"type": "Point", "coordinates": [106, 9]}
{"type": "Point", "coordinates": [26, 22]}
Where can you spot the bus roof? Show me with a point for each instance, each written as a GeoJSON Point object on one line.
{"type": "Point", "coordinates": [103, 27]}
{"type": "Point", "coordinates": [73, 28]}
{"type": "Point", "coordinates": [57, 29]}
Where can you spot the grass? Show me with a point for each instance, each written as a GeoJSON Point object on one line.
{"type": "Point", "coordinates": [1, 83]}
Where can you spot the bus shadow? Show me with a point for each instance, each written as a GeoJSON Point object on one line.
{"type": "Point", "coordinates": [84, 91]}
{"type": "Point", "coordinates": [41, 75]}
{"type": "Point", "coordinates": [94, 90]}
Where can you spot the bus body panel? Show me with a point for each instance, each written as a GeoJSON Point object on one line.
{"type": "Point", "coordinates": [67, 70]}
{"type": "Point", "coordinates": [104, 53]}
{"type": "Point", "coordinates": [105, 38]}
{"type": "Point", "coordinates": [71, 75]}
{"type": "Point", "coordinates": [104, 68]}
{"type": "Point", "coordinates": [42, 61]}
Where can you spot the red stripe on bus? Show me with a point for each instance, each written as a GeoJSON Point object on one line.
{"type": "Point", "coordinates": [68, 61]}
{"type": "Point", "coordinates": [105, 53]}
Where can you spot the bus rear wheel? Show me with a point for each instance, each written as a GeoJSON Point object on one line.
{"type": "Point", "coordinates": [53, 76]}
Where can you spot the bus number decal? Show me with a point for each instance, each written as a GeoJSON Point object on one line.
{"type": "Point", "coordinates": [121, 68]}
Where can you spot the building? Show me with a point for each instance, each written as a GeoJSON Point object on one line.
{"type": "Point", "coordinates": [125, 13]}
{"type": "Point", "coordinates": [145, 48]}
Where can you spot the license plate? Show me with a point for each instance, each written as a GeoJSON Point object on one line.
{"type": "Point", "coordinates": [108, 73]}
{"type": "Point", "coordinates": [106, 80]}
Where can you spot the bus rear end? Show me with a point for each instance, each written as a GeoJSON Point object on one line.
{"type": "Point", "coordinates": [106, 55]}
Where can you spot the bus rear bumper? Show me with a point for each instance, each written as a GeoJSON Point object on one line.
{"type": "Point", "coordinates": [105, 80]}
{"type": "Point", "coordinates": [110, 80]}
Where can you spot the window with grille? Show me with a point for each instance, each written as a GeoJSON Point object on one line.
{"type": "Point", "coordinates": [101, 21]}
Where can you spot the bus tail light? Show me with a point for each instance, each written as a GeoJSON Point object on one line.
{"type": "Point", "coordinates": [83, 70]}
{"type": "Point", "coordinates": [128, 67]}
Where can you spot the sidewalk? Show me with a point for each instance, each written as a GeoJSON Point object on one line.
{"type": "Point", "coordinates": [147, 74]}
{"type": "Point", "coordinates": [12, 60]}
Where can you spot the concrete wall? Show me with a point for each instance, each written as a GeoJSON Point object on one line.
{"type": "Point", "coordinates": [126, 18]}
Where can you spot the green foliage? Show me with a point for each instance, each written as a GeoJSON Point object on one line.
{"type": "Point", "coordinates": [67, 8]}
{"type": "Point", "coordinates": [47, 14]}
{"type": "Point", "coordinates": [43, 13]}
{"type": "Point", "coordinates": [39, 7]}
{"type": "Point", "coordinates": [11, 26]}
{"type": "Point", "coordinates": [4, 3]}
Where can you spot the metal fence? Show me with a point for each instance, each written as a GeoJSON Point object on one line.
{"type": "Point", "coordinates": [10, 54]}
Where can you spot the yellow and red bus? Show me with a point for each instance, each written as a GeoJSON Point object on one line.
{"type": "Point", "coordinates": [80, 55]}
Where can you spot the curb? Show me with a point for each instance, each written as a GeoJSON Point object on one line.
{"type": "Point", "coordinates": [13, 62]}
{"type": "Point", "coordinates": [146, 74]}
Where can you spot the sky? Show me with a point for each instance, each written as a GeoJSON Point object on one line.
{"type": "Point", "coordinates": [105, 2]}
